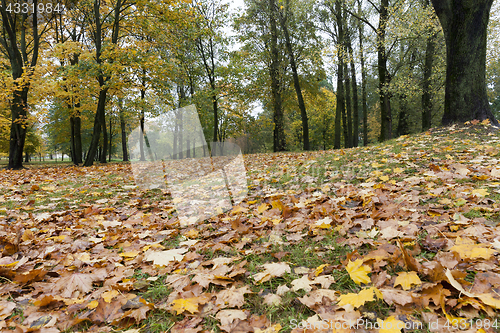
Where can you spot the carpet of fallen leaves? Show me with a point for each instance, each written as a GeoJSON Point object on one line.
{"type": "Point", "coordinates": [418, 217]}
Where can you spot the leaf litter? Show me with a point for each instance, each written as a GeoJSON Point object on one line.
{"type": "Point", "coordinates": [83, 249]}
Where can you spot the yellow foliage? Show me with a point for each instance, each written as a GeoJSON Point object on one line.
{"type": "Point", "coordinates": [358, 272]}
{"type": "Point", "coordinates": [407, 279]}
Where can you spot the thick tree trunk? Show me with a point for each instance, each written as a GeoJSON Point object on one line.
{"type": "Point", "coordinates": [278, 119]}
{"type": "Point", "coordinates": [385, 106]}
{"type": "Point", "coordinates": [465, 30]}
{"type": "Point", "coordinates": [296, 82]}
{"type": "Point", "coordinates": [18, 129]}
{"type": "Point", "coordinates": [340, 76]}
{"type": "Point", "coordinates": [96, 134]}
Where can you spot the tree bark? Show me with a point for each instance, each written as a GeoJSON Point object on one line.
{"type": "Point", "coordinates": [403, 126]}
{"type": "Point", "coordinates": [348, 107]}
{"type": "Point", "coordinates": [340, 75]}
{"type": "Point", "coordinates": [123, 130]}
{"type": "Point", "coordinates": [279, 128]}
{"type": "Point", "coordinates": [363, 80]}
{"type": "Point", "coordinates": [464, 24]}
{"type": "Point", "coordinates": [355, 100]}
{"type": "Point", "coordinates": [385, 106]}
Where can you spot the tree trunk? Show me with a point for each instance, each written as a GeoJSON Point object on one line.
{"type": "Point", "coordinates": [123, 130]}
{"type": "Point", "coordinates": [110, 139]}
{"type": "Point", "coordinates": [403, 126]}
{"type": "Point", "coordinates": [279, 128]}
{"type": "Point", "coordinates": [78, 136]}
{"type": "Point", "coordinates": [340, 76]}
{"type": "Point", "coordinates": [355, 101]}
{"type": "Point", "coordinates": [100, 116]}
{"type": "Point", "coordinates": [348, 106]}
{"type": "Point", "coordinates": [72, 138]}
{"type": "Point", "coordinates": [102, 119]}
{"type": "Point", "coordinates": [76, 123]}
{"type": "Point", "coordinates": [426, 91]}
{"type": "Point", "coordinates": [385, 106]}
{"type": "Point", "coordinates": [141, 123]}
{"type": "Point", "coordinates": [296, 82]}
{"type": "Point", "coordinates": [363, 81]}
{"type": "Point", "coordinates": [96, 133]}
{"type": "Point", "coordinates": [12, 24]}
{"type": "Point", "coordinates": [465, 30]}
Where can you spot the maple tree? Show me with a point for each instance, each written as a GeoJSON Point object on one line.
{"type": "Point", "coordinates": [20, 30]}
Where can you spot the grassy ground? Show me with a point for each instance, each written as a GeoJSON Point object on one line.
{"type": "Point", "coordinates": [419, 180]}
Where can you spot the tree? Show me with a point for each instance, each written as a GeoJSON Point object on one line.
{"type": "Point", "coordinates": [465, 24]}
{"type": "Point", "coordinates": [284, 20]}
{"type": "Point", "coordinates": [20, 40]}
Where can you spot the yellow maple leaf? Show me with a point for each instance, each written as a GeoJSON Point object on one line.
{"type": "Point", "coordinates": [480, 193]}
{"type": "Point", "coordinates": [390, 325]}
{"type": "Point", "coordinates": [358, 272]}
{"type": "Point", "coordinates": [193, 233]}
{"type": "Point", "coordinates": [398, 170]}
{"type": "Point", "coordinates": [262, 208]}
{"type": "Point", "coordinates": [357, 300]}
{"type": "Point", "coordinates": [468, 249]}
{"type": "Point", "coordinates": [406, 279]}
{"type": "Point", "coordinates": [181, 305]}
{"type": "Point", "coordinates": [384, 178]}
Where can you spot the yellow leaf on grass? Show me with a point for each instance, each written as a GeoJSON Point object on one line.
{"type": "Point", "coordinates": [407, 279]}
{"type": "Point", "coordinates": [319, 269]}
{"type": "Point", "coordinates": [357, 300]}
{"type": "Point", "coordinates": [468, 249]}
{"type": "Point", "coordinates": [358, 271]}
{"type": "Point", "coordinates": [390, 325]}
{"type": "Point", "coordinates": [480, 193]}
{"type": "Point", "coordinates": [182, 305]}
{"type": "Point", "coordinates": [384, 178]}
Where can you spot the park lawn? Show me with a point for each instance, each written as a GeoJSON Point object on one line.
{"type": "Point", "coordinates": [405, 233]}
